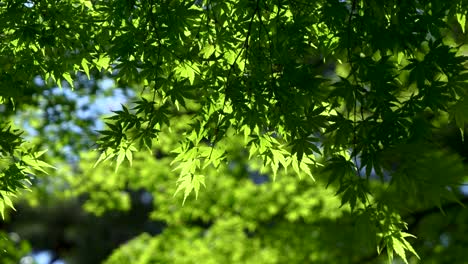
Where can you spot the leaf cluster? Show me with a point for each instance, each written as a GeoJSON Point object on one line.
{"type": "Point", "coordinates": [343, 85]}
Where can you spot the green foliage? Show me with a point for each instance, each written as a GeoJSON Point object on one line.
{"type": "Point", "coordinates": [245, 222]}
{"type": "Point", "coordinates": [18, 164]}
{"type": "Point", "coordinates": [12, 248]}
{"type": "Point", "coordinates": [341, 91]}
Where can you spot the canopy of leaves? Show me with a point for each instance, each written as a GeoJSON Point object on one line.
{"type": "Point", "coordinates": [352, 94]}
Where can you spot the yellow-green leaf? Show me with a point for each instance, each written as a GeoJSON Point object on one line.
{"type": "Point", "coordinates": [84, 64]}
{"type": "Point", "coordinates": [68, 78]}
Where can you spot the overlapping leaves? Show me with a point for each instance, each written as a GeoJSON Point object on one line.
{"type": "Point", "coordinates": [301, 82]}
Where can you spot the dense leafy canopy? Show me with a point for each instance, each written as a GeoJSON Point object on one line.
{"type": "Point", "coordinates": [355, 95]}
